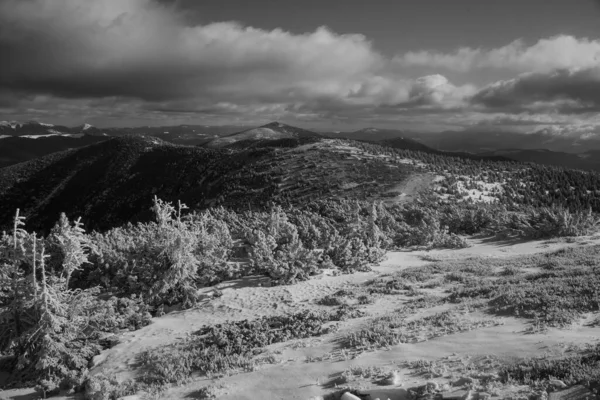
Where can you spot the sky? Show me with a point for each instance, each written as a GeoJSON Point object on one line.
{"type": "Point", "coordinates": [421, 65]}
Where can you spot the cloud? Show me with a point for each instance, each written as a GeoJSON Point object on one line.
{"type": "Point", "coordinates": [546, 123]}
{"type": "Point", "coordinates": [436, 90]}
{"type": "Point", "coordinates": [141, 60]}
{"type": "Point", "coordinates": [565, 90]}
{"type": "Point", "coordinates": [141, 49]}
{"type": "Point", "coordinates": [548, 54]}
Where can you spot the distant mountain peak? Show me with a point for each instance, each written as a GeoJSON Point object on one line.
{"type": "Point", "coordinates": [370, 130]}
{"type": "Point", "coordinates": [272, 131]}
{"type": "Point", "coordinates": [275, 124]}
{"type": "Point", "coordinates": [85, 127]}
{"type": "Point", "coordinates": [11, 124]}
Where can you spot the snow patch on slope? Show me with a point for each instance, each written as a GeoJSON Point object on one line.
{"type": "Point", "coordinates": [12, 124]}
{"type": "Point", "coordinates": [71, 135]}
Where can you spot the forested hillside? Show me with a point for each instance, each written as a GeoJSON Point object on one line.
{"type": "Point", "coordinates": [112, 182]}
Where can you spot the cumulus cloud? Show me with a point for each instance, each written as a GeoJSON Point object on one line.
{"type": "Point", "coordinates": [141, 49]}
{"type": "Point", "coordinates": [438, 91]}
{"type": "Point", "coordinates": [546, 123]}
{"type": "Point", "coordinates": [548, 54]}
{"type": "Point", "coordinates": [567, 90]}
{"type": "Point", "coordinates": [148, 57]}
{"type": "Point", "coordinates": [133, 60]}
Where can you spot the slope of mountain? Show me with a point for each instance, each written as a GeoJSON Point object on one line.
{"type": "Point", "coordinates": [180, 134]}
{"type": "Point", "coordinates": [474, 141]}
{"type": "Point", "coordinates": [369, 134]}
{"type": "Point", "coordinates": [108, 182]}
{"type": "Point", "coordinates": [186, 134]}
{"type": "Point", "coordinates": [402, 143]}
{"type": "Point", "coordinates": [587, 161]}
{"type": "Point", "coordinates": [16, 149]}
{"type": "Point", "coordinates": [23, 141]}
{"type": "Point", "coordinates": [540, 147]}
{"type": "Point", "coordinates": [34, 129]}
{"type": "Point", "coordinates": [478, 141]}
{"type": "Point", "coordinates": [271, 131]}
{"type": "Point", "coordinates": [406, 144]}
{"type": "Point", "coordinates": [114, 181]}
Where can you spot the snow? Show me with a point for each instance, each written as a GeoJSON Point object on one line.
{"type": "Point", "coordinates": [250, 298]}
{"type": "Point", "coordinates": [4, 136]}
{"type": "Point", "coordinates": [484, 191]}
{"type": "Point", "coordinates": [45, 124]}
{"type": "Point", "coordinates": [12, 124]}
{"type": "Point", "coordinates": [86, 127]}
{"type": "Point", "coordinates": [56, 133]}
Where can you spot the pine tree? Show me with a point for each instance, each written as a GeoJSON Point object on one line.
{"type": "Point", "coordinates": [73, 245]}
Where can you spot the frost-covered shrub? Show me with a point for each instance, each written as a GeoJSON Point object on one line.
{"type": "Point", "coordinates": [279, 253]}
{"type": "Point", "coordinates": [545, 223]}
{"type": "Point", "coordinates": [157, 261]}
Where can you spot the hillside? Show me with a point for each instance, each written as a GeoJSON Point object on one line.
{"type": "Point", "coordinates": [184, 133]}
{"type": "Point", "coordinates": [17, 149]}
{"type": "Point", "coordinates": [108, 182]}
{"type": "Point", "coordinates": [271, 131]}
{"type": "Point", "coordinates": [33, 128]}
{"type": "Point", "coordinates": [481, 141]}
{"type": "Point", "coordinates": [585, 161]}
{"type": "Point", "coordinates": [540, 147]}
{"type": "Point", "coordinates": [478, 141]}
{"type": "Point", "coordinates": [406, 144]}
{"type": "Point", "coordinates": [24, 141]}
{"type": "Point", "coordinates": [414, 145]}
{"type": "Point", "coordinates": [369, 134]}
{"type": "Point", "coordinates": [114, 181]}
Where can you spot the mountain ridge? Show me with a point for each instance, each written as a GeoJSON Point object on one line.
{"type": "Point", "coordinates": [271, 131]}
{"type": "Point", "coordinates": [22, 141]}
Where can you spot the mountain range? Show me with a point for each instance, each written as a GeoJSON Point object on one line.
{"type": "Point", "coordinates": [21, 142]}
{"type": "Point", "coordinates": [478, 141]}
